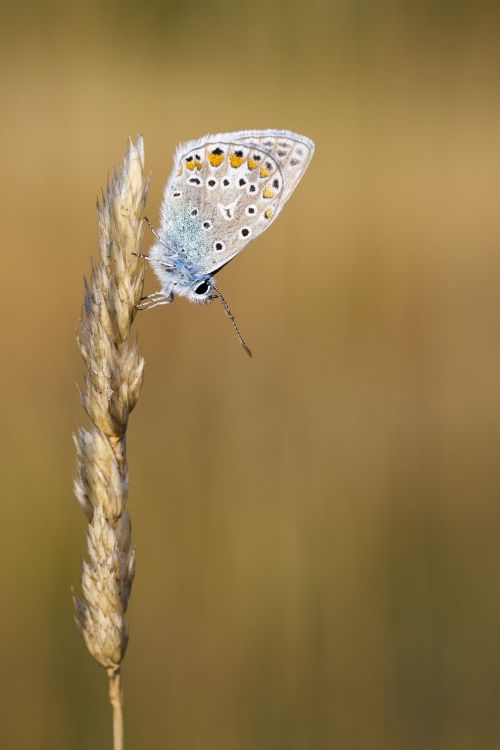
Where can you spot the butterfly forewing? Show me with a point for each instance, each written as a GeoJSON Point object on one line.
{"type": "Point", "coordinates": [225, 190]}
{"type": "Point", "coordinates": [292, 153]}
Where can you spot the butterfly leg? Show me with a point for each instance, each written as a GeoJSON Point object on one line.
{"type": "Point", "coordinates": [155, 304]}
{"type": "Point", "coordinates": [154, 300]}
{"type": "Point", "coordinates": [153, 231]}
{"type": "Point", "coordinates": [167, 266]}
{"type": "Point", "coordinates": [153, 294]}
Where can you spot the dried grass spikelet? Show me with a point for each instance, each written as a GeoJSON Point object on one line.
{"type": "Point", "coordinates": [113, 378]}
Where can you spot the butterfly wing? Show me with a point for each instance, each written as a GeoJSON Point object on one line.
{"type": "Point", "coordinates": [226, 189]}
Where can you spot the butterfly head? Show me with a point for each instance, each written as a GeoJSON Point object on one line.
{"type": "Point", "coordinates": [196, 288]}
{"type": "Point", "coordinates": [200, 290]}
{"type": "Point", "coordinates": [183, 281]}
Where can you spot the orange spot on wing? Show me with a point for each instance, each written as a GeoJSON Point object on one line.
{"type": "Point", "coordinates": [198, 165]}
{"type": "Point", "coordinates": [190, 165]}
{"type": "Point", "coordinates": [216, 159]}
{"type": "Point", "coordinates": [264, 172]}
{"type": "Point", "coordinates": [179, 171]}
{"type": "Point", "coordinates": [268, 192]}
{"type": "Point", "coordinates": [251, 163]}
{"type": "Point", "coordinates": [236, 161]}
{"type": "Point", "coordinates": [268, 213]}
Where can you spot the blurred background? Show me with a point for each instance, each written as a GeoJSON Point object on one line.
{"type": "Point", "coordinates": [317, 529]}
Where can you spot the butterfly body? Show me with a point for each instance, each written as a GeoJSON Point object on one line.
{"type": "Point", "coordinates": [183, 280]}
{"type": "Point", "coordinates": [223, 192]}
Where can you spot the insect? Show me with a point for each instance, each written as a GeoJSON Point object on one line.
{"type": "Point", "coordinates": [223, 192]}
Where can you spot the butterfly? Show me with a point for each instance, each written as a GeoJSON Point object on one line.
{"type": "Point", "coordinates": [223, 192]}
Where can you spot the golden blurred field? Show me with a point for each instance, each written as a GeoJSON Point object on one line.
{"type": "Point", "coordinates": [317, 529]}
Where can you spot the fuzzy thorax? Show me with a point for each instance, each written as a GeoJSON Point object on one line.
{"type": "Point", "coordinates": [181, 280]}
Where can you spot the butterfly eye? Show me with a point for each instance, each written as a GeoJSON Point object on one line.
{"type": "Point", "coordinates": [202, 288]}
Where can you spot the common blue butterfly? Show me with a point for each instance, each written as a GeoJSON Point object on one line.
{"type": "Point", "coordinates": [223, 192]}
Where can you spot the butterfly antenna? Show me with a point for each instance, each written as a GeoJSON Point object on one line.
{"type": "Point", "coordinates": [230, 315]}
